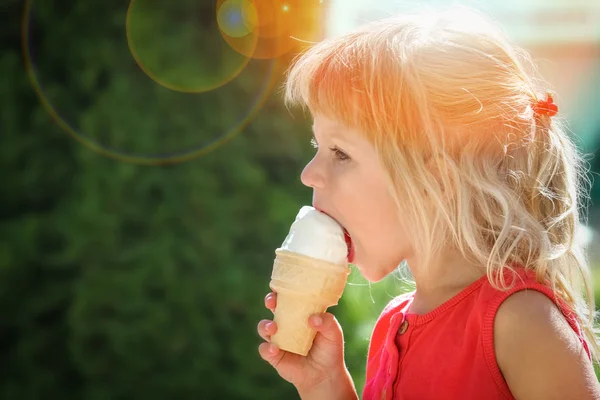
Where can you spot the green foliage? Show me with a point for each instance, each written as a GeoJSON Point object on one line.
{"type": "Point", "coordinates": [123, 281]}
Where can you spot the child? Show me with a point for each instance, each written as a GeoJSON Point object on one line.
{"type": "Point", "coordinates": [436, 147]}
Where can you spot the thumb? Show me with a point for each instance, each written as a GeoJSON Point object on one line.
{"type": "Point", "coordinates": [329, 330]}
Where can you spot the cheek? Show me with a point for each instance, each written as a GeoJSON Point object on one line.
{"type": "Point", "coordinates": [370, 215]}
{"type": "Point", "coordinates": [379, 237]}
{"type": "Point", "coordinates": [380, 241]}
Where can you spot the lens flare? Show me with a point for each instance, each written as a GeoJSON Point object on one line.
{"type": "Point", "coordinates": [237, 18]}
{"type": "Point", "coordinates": [168, 44]}
{"type": "Point", "coordinates": [279, 25]}
{"type": "Point", "coordinates": [117, 138]}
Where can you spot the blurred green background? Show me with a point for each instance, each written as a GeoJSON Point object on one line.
{"type": "Point", "coordinates": [132, 263]}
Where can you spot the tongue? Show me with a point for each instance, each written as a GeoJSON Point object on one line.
{"type": "Point", "coordinates": [350, 247]}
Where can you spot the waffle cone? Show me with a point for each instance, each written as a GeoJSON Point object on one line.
{"type": "Point", "coordinates": [304, 286]}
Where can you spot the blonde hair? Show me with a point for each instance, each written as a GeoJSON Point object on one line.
{"type": "Point", "coordinates": [446, 100]}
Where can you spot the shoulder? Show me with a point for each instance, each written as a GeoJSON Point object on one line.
{"type": "Point", "coordinates": [538, 353]}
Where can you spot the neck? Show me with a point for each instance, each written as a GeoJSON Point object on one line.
{"type": "Point", "coordinates": [442, 278]}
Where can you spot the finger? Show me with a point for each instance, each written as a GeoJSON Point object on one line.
{"type": "Point", "coordinates": [328, 327]}
{"type": "Point", "coordinates": [266, 329]}
{"type": "Point", "coordinates": [271, 301]}
{"type": "Point", "coordinates": [279, 359]}
{"type": "Point", "coordinates": [271, 353]}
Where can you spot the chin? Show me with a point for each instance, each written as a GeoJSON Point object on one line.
{"type": "Point", "coordinates": [372, 274]}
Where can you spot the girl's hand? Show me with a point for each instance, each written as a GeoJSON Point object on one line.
{"type": "Point", "coordinates": [323, 364]}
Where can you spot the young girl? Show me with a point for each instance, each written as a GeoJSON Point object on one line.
{"type": "Point", "coordinates": [438, 146]}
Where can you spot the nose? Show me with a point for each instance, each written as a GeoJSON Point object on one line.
{"type": "Point", "coordinates": [312, 175]}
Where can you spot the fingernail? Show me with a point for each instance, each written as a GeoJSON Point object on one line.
{"type": "Point", "coordinates": [268, 326]}
{"type": "Point", "coordinates": [317, 320]}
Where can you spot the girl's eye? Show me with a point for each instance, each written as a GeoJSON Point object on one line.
{"type": "Point", "coordinates": [339, 154]}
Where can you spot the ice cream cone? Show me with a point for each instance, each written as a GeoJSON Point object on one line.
{"type": "Point", "coordinates": [304, 286]}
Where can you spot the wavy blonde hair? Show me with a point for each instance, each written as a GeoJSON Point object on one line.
{"type": "Point", "coordinates": [446, 100]}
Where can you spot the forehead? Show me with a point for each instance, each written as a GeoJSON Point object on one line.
{"type": "Point", "coordinates": [326, 124]}
{"type": "Point", "coordinates": [331, 128]}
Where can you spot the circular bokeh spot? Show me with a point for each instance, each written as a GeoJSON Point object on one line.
{"type": "Point", "coordinates": [117, 111]}
{"type": "Point", "coordinates": [178, 45]}
{"type": "Point", "coordinates": [237, 18]}
{"type": "Point", "coordinates": [280, 25]}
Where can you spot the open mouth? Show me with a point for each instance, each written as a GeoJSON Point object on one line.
{"type": "Point", "coordinates": [350, 246]}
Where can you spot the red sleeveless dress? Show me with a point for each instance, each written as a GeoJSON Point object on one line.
{"type": "Point", "coordinates": [448, 353]}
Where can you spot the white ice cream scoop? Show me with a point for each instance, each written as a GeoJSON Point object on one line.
{"type": "Point", "coordinates": [317, 235]}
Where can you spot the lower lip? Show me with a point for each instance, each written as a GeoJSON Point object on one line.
{"type": "Point", "coordinates": [350, 246]}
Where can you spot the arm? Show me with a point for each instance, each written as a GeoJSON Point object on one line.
{"type": "Point", "coordinates": [539, 354]}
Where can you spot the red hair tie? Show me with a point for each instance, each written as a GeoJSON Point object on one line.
{"type": "Point", "coordinates": [546, 107]}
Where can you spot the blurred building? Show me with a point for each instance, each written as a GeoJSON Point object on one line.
{"type": "Point", "coordinates": [562, 35]}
